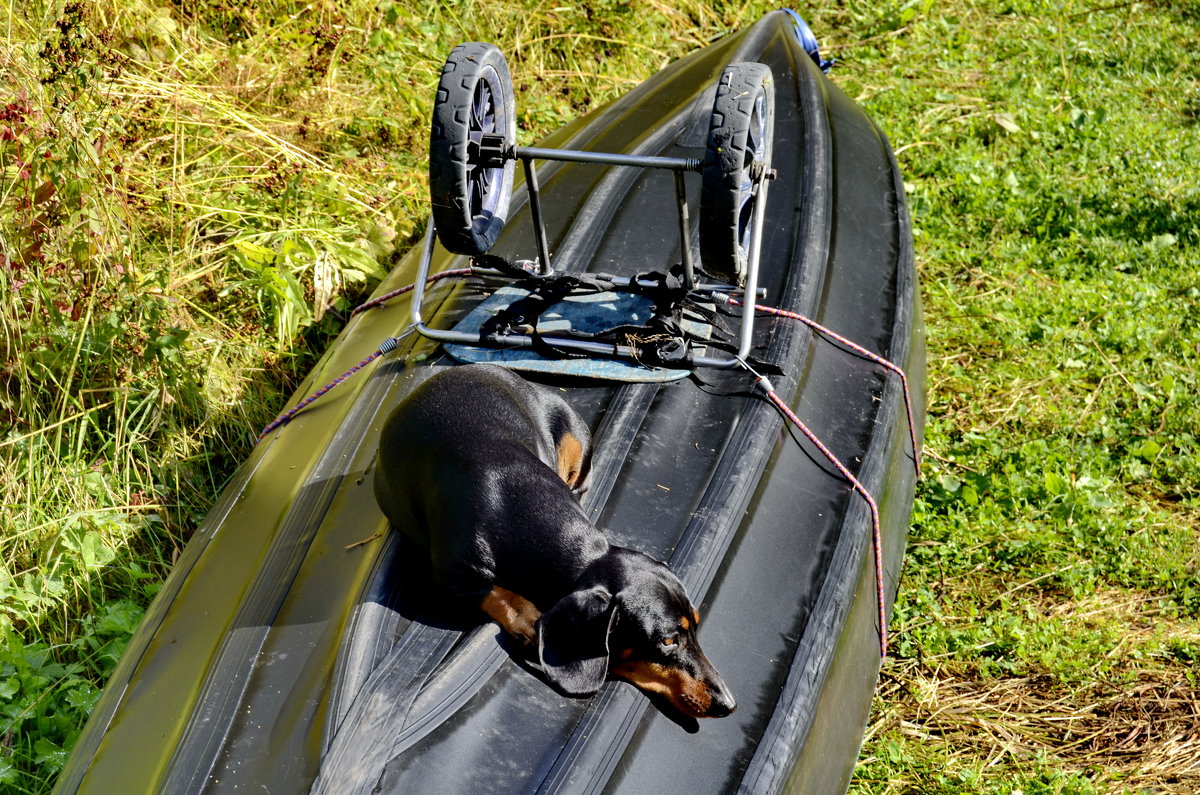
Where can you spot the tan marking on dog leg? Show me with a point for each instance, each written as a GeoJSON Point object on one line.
{"type": "Point", "coordinates": [513, 612]}
{"type": "Point", "coordinates": [570, 459]}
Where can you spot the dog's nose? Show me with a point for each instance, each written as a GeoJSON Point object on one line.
{"type": "Point", "coordinates": [722, 701]}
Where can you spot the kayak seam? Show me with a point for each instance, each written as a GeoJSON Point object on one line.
{"type": "Point", "coordinates": [149, 629]}
{"type": "Point", "coordinates": [697, 575]}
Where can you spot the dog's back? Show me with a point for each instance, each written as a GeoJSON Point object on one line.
{"type": "Point", "coordinates": [467, 451]}
{"type": "Point", "coordinates": [477, 466]}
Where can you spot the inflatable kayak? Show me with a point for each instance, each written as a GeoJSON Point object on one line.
{"type": "Point", "coordinates": [295, 647]}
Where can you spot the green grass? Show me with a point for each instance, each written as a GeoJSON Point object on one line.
{"type": "Point", "coordinates": [1049, 152]}
{"type": "Point", "coordinates": [194, 193]}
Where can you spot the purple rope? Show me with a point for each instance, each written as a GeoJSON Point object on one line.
{"type": "Point", "coordinates": [876, 534]}
{"type": "Point", "coordinates": [388, 345]}
{"type": "Point", "coordinates": [861, 351]}
{"type": "Point", "coordinates": [374, 302]}
{"type": "Point", "coordinates": [283, 419]}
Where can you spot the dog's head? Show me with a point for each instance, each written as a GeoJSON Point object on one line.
{"type": "Point", "coordinates": [634, 620]}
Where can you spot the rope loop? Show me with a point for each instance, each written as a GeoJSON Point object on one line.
{"type": "Point", "coordinates": [765, 386]}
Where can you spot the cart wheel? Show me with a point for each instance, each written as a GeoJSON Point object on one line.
{"type": "Point", "coordinates": [739, 135]}
{"type": "Point", "coordinates": [470, 199]}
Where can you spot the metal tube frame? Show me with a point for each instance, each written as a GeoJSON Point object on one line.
{"type": "Point", "coordinates": [678, 165]}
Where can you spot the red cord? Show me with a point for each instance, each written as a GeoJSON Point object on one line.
{"type": "Point", "coordinates": [388, 345]}
{"type": "Point", "coordinates": [861, 351]}
{"type": "Point", "coordinates": [876, 534]}
{"type": "Point", "coordinates": [876, 531]}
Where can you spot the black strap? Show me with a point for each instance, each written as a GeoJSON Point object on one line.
{"type": "Point", "coordinates": [761, 365]}
{"type": "Point", "coordinates": [661, 341]}
{"type": "Point", "coordinates": [542, 295]}
{"type": "Point", "coordinates": [498, 263]}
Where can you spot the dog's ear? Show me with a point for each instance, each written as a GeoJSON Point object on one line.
{"type": "Point", "coordinates": [573, 640]}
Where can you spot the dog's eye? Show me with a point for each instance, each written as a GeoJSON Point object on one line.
{"type": "Point", "coordinates": [669, 640]}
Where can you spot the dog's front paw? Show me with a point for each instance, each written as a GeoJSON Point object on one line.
{"type": "Point", "coordinates": [516, 614]}
{"type": "Point", "coordinates": [524, 629]}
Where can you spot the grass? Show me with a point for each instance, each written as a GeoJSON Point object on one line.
{"type": "Point", "coordinates": [195, 192]}
{"type": "Point", "coordinates": [1048, 620]}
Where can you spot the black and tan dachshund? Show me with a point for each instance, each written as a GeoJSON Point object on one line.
{"type": "Point", "coordinates": [483, 469]}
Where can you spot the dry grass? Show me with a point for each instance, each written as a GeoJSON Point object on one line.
{"type": "Point", "coordinates": [1130, 724]}
{"type": "Point", "coordinates": [1142, 735]}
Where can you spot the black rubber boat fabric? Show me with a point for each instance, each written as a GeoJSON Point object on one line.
{"type": "Point", "coordinates": [287, 649]}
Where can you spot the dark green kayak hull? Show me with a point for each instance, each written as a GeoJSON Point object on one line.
{"type": "Point", "coordinates": [283, 655]}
